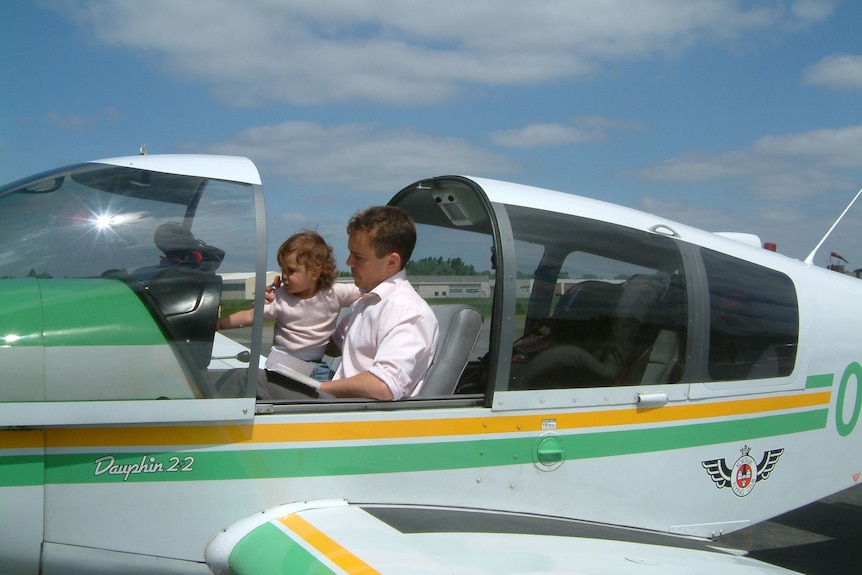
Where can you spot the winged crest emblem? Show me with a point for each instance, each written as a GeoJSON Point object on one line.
{"type": "Point", "coordinates": [742, 476]}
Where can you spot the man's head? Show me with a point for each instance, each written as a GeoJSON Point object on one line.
{"type": "Point", "coordinates": [381, 240]}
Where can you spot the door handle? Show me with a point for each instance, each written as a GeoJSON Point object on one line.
{"type": "Point", "coordinates": [647, 400]}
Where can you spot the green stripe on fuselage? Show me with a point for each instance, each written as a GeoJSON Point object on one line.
{"type": "Point", "coordinates": [21, 471]}
{"type": "Point", "coordinates": [409, 457]}
{"type": "Point", "coordinates": [819, 381]}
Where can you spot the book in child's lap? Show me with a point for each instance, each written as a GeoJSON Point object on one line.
{"type": "Point", "coordinates": [291, 367]}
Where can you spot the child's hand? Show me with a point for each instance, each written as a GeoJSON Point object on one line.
{"type": "Point", "coordinates": [269, 296]}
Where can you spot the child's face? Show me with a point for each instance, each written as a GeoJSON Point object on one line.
{"type": "Point", "coordinates": [297, 279]}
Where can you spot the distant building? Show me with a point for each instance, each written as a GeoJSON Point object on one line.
{"type": "Point", "coordinates": [240, 286]}
{"type": "Point", "coordinates": [430, 287]}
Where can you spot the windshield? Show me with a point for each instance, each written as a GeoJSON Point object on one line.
{"type": "Point", "coordinates": [96, 218]}
{"type": "Point", "coordinates": [112, 281]}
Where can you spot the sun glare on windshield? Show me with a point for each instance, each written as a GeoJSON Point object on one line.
{"type": "Point", "coordinates": [103, 221]}
{"type": "Point", "coordinates": [109, 221]}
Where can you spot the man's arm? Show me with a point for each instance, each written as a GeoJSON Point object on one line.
{"type": "Point", "coordinates": [363, 384]}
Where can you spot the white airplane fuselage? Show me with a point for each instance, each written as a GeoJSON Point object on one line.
{"type": "Point", "coordinates": [723, 392]}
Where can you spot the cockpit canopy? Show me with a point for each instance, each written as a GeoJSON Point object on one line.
{"type": "Point", "coordinates": [110, 277]}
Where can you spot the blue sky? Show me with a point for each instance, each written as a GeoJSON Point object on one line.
{"type": "Point", "coordinates": [727, 115]}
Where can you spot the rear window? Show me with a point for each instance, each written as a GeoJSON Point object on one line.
{"type": "Point", "coordinates": [754, 320]}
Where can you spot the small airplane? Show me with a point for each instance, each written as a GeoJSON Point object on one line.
{"type": "Point", "coordinates": [631, 390]}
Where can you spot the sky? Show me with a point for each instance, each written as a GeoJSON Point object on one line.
{"type": "Point", "coordinates": [728, 115]}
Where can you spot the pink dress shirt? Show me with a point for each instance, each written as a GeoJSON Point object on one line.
{"type": "Point", "coordinates": [392, 333]}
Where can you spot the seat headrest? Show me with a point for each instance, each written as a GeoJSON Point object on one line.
{"type": "Point", "coordinates": [180, 245]}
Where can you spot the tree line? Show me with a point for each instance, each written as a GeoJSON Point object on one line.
{"type": "Point", "coordinates": [438, 266]}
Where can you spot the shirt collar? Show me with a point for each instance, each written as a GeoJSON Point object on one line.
{"type": "Point", "coordinates": [388, 285]}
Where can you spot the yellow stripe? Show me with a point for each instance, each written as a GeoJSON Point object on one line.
{"type": "Point", "coordinates": [326, 546]}
{"type": "Point", "coordinates": [21, 439]}
{"type": "Point", "coordinates": [263, 433]}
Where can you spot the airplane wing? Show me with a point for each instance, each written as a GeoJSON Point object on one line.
{"type": "Point", "coordinates": [228, 354]}
{"type": "Point", "coordinates": [333, 536]}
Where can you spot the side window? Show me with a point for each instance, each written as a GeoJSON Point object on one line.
{"type": "Point", "coordinates": [754, 320]}
{"type": "Point", "coordinates": [604, 305]}
{"type": "Point", "coordinates": [451, 268]}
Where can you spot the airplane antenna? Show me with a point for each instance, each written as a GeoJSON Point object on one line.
{"type": "Point", "coordinates": [810, 259]}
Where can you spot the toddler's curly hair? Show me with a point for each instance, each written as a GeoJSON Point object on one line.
{"type": "Point", "coordinates": [311, 251]}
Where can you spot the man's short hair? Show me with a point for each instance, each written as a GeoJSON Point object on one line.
{"type": "Point", "coordinates": [389, 228]}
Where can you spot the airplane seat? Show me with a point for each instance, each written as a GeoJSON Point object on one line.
{"type": "Point", "coordinates": [657, 353]}
{"type": "Point", "coordinates": [588, 299]}
{"type": "Point", "coordinates": [189, 305]}
{"type": "Point", "coordinates": [583, 314]}
{"type": "Point", "coordinates": [632, 328]}
{"type": "Point", "coordinates": [766, 365]}
{"type": "Point", "coordinates": [459, 327]}
{"type": "Point", "coordinates": [183, 291]}
{"type": "Point", "coordinates": [180, 246]}
{"type": "Point", "coordinates": [632, 331]}
{"type": "Point", "coordinates": [661, 359]}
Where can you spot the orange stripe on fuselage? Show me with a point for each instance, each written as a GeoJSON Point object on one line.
{"type": "Point", "coordinates": [21, 439]}
{"type": "Point", "coordinates": [263, 433]}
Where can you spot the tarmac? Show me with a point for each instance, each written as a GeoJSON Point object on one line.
{"type": "Point", "coordinates": [823, 538]}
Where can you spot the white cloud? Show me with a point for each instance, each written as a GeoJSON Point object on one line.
{"type": "Point", "coordinates": [412, 52]}
{"type": "Point", "coordinates": [113, 114]}
{"type": "Point", "coordinates": [796, 228]}
{"type": "Point", "coordinates": [82, 123]}
{"type": "Point", "coordinates": [71, 122]}
{"type": "Point", "coordinates": [793, 165]}
{"type": "Point", "coordinates": [835, 148]}
{"type": "Point", "coordinates": [842, 71]}
{"type": "Point", "coordinates": [536, 135]}
{"type": "Point", "coordinates": [813, 10]}
{"type": "Point", "coordinates": [578, 131]}
{"type": "Point", "coordinates": [358, 156]}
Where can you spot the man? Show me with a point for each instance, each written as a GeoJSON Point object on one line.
{"type": "Point", "coordinates": [388, 341]}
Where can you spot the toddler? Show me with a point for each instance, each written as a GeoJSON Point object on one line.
{"type": "Point", "coordinates": [305, 303]}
